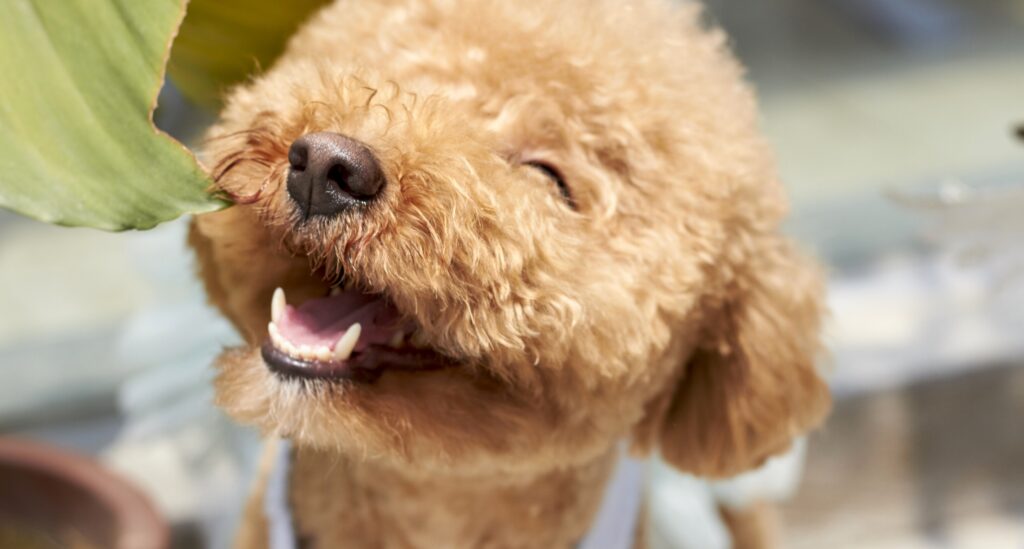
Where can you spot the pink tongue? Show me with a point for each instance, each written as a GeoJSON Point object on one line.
{"type": "Point", "coordinates": [321, 322]}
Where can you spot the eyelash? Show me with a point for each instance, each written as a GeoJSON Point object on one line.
{"type": "Point", "coordinates": [552, 173]}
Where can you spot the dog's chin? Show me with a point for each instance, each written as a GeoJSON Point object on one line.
{"type": "Point", "coordinates": [412, 410]}
{"type": "Point", "coordinates": [400, 417]}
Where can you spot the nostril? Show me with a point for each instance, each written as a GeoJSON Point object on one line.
{"type": "Point", "coordinates": [351, 180]}
{"type": "Point", "coordinates": [339, 174]}
{"type": "Point", "coordinates": [298, 155]}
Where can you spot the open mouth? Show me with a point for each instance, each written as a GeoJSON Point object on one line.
{"type": "Point", "coordinates": [347, 335]}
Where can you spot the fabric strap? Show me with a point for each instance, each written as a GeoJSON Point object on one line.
{"type": "Point", "coordinates": [276, 509]}
{"type": "Point", "coordinates": [615, 526]}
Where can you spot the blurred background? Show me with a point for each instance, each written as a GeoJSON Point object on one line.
{"type": "Point", "coordinates": [893, 122]}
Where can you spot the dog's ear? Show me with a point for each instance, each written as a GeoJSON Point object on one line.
{"type": "Point", "coordinates": [752, 384]}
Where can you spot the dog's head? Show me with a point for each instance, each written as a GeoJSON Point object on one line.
{"type": "Point", "coordinates": [507, 236]}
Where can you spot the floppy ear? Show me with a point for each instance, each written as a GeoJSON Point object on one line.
{"type": "Point", "coordinates": [752, 384]}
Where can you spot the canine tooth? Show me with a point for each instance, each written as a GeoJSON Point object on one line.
{"type": "Point", "coordinates": [277, 304]}
{"type": "Point", "coordinates": [418, 339]}
{"type": "Point", "coordinates": [397, 339]}
{"type": "Point", "coordinates": [343, 349]}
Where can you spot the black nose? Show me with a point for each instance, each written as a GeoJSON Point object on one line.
{"type": "Point", "coordinates": [331, 172]}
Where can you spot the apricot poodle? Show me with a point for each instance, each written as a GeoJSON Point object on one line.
{"type": "Point", "coordinates": [477, 245]}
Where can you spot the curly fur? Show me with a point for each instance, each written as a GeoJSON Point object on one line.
{"type": "Point", "coordinates": [663, 305]}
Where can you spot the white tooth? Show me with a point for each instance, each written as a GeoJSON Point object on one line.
{"type": "Point", "coordinates": [287, 347]}
{"type": "Point", "coordinates": [277, 339]}
{"type": "Point", "coordinates": [396, 340]}
{"type": "Point", "coordinates": [305, 351]}
{"type": "Point", "coordinates": [343, 349]}
{"type": "Point", "coordinates": [323, 354]}
{"type": "Point", "coordinates": [418, 339]}
{"type": "Point", "coordinates": [277, 304]}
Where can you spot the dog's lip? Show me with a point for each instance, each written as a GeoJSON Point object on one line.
{"type": "Point", "coordinates": [364, 366]}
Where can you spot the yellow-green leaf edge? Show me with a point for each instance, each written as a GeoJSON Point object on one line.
{"type": "Point", "coordinates": [77, 142]}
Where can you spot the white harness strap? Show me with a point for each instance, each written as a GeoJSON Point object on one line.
{"type": "Point", "coordinates": [280, 527]}
{"type": "Point", "coordinates": [614, 527]}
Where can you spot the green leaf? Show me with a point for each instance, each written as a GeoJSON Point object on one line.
{"type": "Point", "coordinates": [77, 144]}
{"type": "Point", "coordinates": [222, 42]}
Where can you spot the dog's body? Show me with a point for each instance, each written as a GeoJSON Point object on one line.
{"type": "Point", "coordinates": [564, 214]}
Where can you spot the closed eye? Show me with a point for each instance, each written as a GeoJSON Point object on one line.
{"type": "Point", "coordinates": [555, 176]}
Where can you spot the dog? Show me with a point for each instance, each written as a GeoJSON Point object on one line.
{"type": "Point", "coordinates": [478, 247]}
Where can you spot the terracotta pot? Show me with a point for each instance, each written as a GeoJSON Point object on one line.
{"type": "Point", "coordinates": [50, 497]}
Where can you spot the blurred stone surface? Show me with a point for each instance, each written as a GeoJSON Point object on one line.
{"type": "Point", "coordinates": [937, 464]}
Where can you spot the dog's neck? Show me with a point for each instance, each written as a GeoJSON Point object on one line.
{"type": "Point", "coordinates": [337, 501]}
